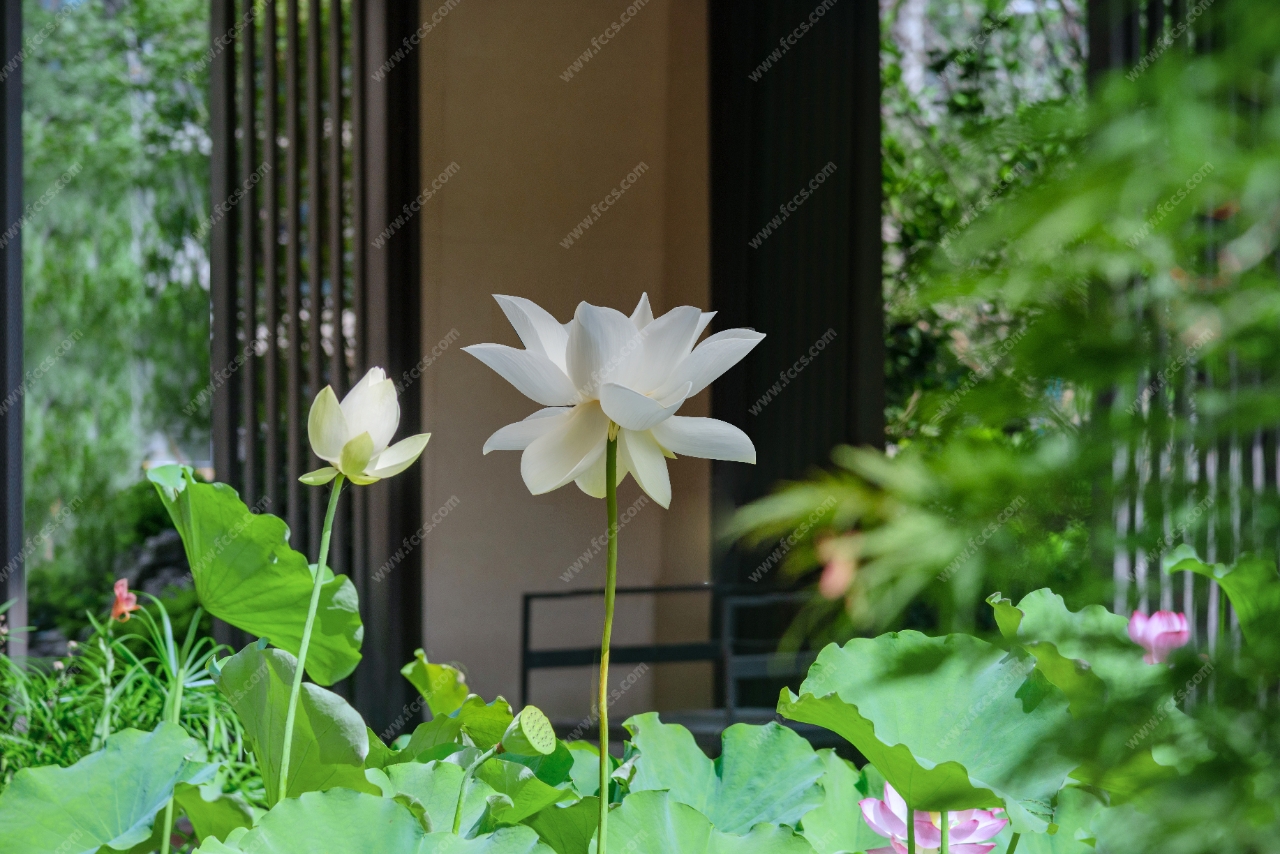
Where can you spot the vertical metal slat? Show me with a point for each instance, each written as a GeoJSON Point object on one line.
{"type": "Point", "coordinates": [315, 271]}
{"type": "Point", "coordinates": [335, 268]}
{"type": "Point", "coordinates": [222, 117]}
{"type": "Point", "coordinates": [13, 579]}
{"type": "Point", "coordinates": [359, 564]}
{"type": "Point", "coordinates": [270, 255]}
{"type": "Point", "coordinates": [249, 306]}
{"type": "Point", "coordinates": [293, 358]}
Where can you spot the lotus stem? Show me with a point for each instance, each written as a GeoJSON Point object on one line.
{"type": "Point", "coordinates": [466, 779]}
{"type": "Point", "coordinates": [610, 586]}
{"type": "Point", "coordinates": [168, 827]}
{"type": "Point", "coordinates": [1013, 843]}
{"type": "Point", "coordinates": [173, 714]}
{"type": "Point", "coordinates": [296, 690]}
{"type": "Point", "coordinates": [911, 830]}
{"type": "Point", "coordinates": [945, 827]}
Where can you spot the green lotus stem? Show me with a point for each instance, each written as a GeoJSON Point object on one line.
{"type": "Point", "coordinates": [173, 714]}
{"type": "Point", "coordinates": [1013, 843]}
{"type": "Point", "coordinates": [610, 586]}
{"type": "Point", "coordinates": [168, 827]}
{"type": "Point", "coordinates": [944, 828]}
{"type": "Point", "coordinates": [466, 779]}
{"type": "Point", "coordinates": [306, 637]}
{"type": "Point", "coordinates": [911, 829]}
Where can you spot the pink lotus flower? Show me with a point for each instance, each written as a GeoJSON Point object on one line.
{"type": "Point", "coordinates": [968, 833]}
{"type": "Point", "coordinates": [1159, 634]}
{"type": "Point", "coordinates": [125, 601]}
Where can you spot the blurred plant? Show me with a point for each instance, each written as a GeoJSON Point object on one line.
{"type": "Point", "coordinates": [115, 286]}
{"type": "Point", "coordinates": [963, 85]}
{"type": "Point", "coordinates": [60, 713]}
{"type": "Point", "coordinates": [1135, 276]}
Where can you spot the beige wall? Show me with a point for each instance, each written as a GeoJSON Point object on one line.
{"type": "Point", "coordinates": [533, 153]}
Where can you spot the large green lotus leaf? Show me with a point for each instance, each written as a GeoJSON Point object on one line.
{"type": "Point", "coordinates": [434, 785]}
{"type": "Point", "coordinates": [339, 820]}
{"type": "Point", "coordinates": [1086, 653]}
{"type": "Point", "coordinates": [109, 799]}
{"type": "Point", "coordinates": [443, 687]}
{"type": "Point", "coordinates": [508, 840]}
{"type": "Point", "coordinates": [568, 828]}
{"type": "Point", "coordinates": [765, 774]}
{"type": "Point", "coordinates": [656, 823]}
{"type": "Point", "coordinates": [330, 741]}
{"type": "Point", "coordinates": [246, 574]}
{"type": "Point", "coordinates": [213, 812]}
{"type": "Point", "coordinates": [837, 825]}
{"type": "Point", "coordinates": [1253, 587]}
{"type": "Point", "coordinates": [952, 722]}
{"type": "Point", "coordinates": [525, 793]}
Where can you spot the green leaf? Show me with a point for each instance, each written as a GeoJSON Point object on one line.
{"type": "Point", "coordinates": [379, 756]}
{"type": "Point", "coordinates": [526, 793]}
{"type": "Point", "coordinates": [1253, 587]}
{"type": "Point", "coordinates": [953, 723]}
{"type": "Point", "coordinates": [443, 687]}
{"type": "Point", "coordinates": [585, 773]}
{"type": "Point", "coordinates": [343, 821]}
{"type": "Point", "coordinates": [765, 774]}
{"type": "Point", "coordinates": [508, 840]}
{"type": "Point", "coordinates": [484, 722]}
{"type": "Point", "coordinates": [1073, 815]}
{"type": "Point", "coordinates": [213, 812]}
{"type": "Point", "coordinates": [435, 739]}
{"type": "Point", "coordinates": [1085, 653]}
{"type": "Point", "coordinates": [568, 828]}
{"type": "Point", "coordinates": [330, 741]}
{"type": "Point", "coordinates": [339, 820]}
{"type": "Point", "coordinates": [555, 769]}
{"type": "Point", "coordinates": [656, 823]}
{"type": "Point", "coordinates": [246, 574]}
{"type": "Point", "coordinates": [109, 798]}
{"type": "Point", "coordinates": [434, 785]}
{"type": "Point", "coordinates": [837, 824]}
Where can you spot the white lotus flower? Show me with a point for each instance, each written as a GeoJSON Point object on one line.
{"type": "Point", "coordinates": [353, 435]}
{"type": "Point", "coordinates": [603, 369]}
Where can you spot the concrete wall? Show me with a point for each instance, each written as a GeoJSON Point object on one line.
{"type": "Point", "coordinates": [533, 152]}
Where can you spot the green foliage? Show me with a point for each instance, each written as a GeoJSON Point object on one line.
{"type": "Point", "coordinates": [54, 810]}
{"type": "Point", "coordinates": [442, 686]}
{"type": "Point", "coordinates": [115, 679]}
{"type": "Point", "coordinates": [959, 132]}
{"type": "Point", "coordinates": [115, 277]}
{"type": "Point", "coordinates": [1084, 653]}
{"type": "Point", "coordinates": [343, 820]}
{"type": "Point", "coordinates": [433, 788]}
{"type": "Point", "coordinates": [330, 741]}
{"type": "Point", "coordinates": [830, 827]}
{"type": "Point", "coordinates": [947, 721]}
{"type": "Point", "coordinates": [1254, 589]}
{"type": "Point", "coordinates": [245, 573]}
{"type": "Point", "coordinates": [731, 791]}
{"type": "Point", "coordinates": [656, 823]}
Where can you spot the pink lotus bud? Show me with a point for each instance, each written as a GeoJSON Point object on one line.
{"type": "Point", "coordinates": [1159, 634]}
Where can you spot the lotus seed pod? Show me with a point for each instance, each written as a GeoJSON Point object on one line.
{"type": "Point", "coordinates": [530, 734]}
